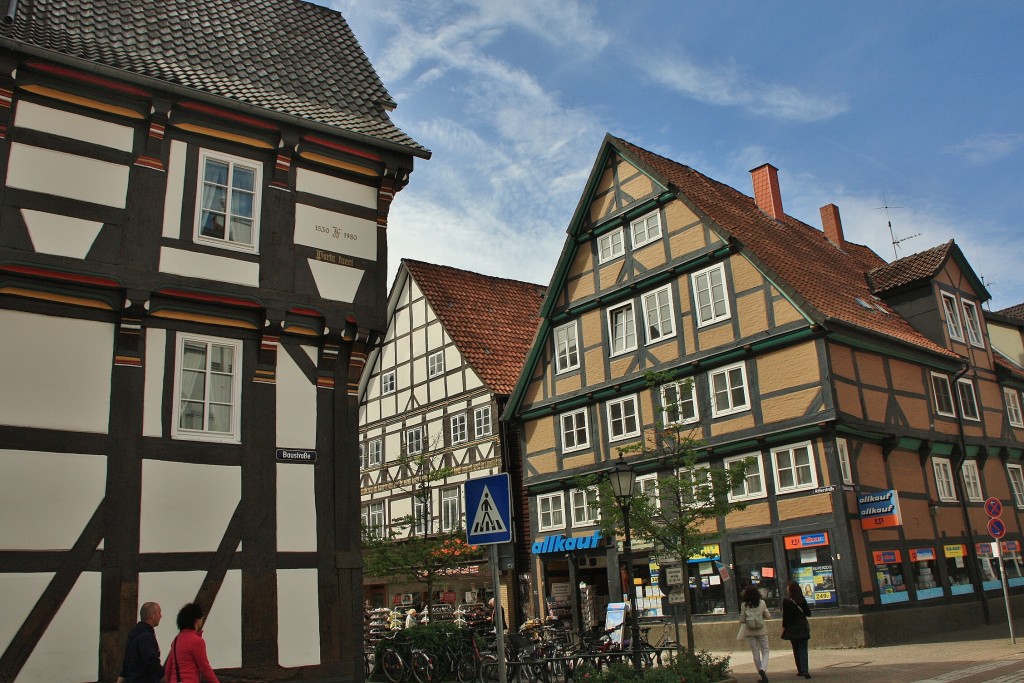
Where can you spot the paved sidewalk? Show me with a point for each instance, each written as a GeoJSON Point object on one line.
{"type": "Point", "coordinates": [984, 655]}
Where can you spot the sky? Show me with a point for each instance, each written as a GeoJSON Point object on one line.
{"type": "Point", "coordinates": [915, 106]}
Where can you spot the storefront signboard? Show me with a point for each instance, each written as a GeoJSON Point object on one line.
{"type": "Point", "coordinates": [955, 550]}
{"type": "Point", "coordinates": [806, 540]}
{"type": "Point", "coordinates": [879, 510]}
{"type": "Point", "coordinates": [922, 554]}
{"type": "Point", "coordinates": [560, 544]}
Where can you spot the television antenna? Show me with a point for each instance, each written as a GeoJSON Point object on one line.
{"type": "Point", "coordinates": [892, 236]}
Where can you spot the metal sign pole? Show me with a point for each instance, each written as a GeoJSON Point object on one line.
{"type": "Point", "coordinates": [499, 623]}
{"type": "Point", "coordinates": [997, 551]}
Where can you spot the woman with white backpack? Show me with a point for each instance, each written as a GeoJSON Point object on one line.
{"type": "Point", "coordinates": [753, 615]}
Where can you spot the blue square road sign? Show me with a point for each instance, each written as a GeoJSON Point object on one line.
{"type": "Point", "coordinates": [488, 510]}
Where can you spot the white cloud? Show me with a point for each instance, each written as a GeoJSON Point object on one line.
{"type": "Point", "coordinates": [983, 149]}
{"type": "Point", "coordinates": [726, 86]}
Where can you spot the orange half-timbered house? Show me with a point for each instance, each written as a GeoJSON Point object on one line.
{"type": "Point", "coordinates": [192, 269]}
{"type": "Point", "coordinates": [867, 393]}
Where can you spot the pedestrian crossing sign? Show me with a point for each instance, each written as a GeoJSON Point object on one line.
{"type": "Point", "coordinates": [488, 510]}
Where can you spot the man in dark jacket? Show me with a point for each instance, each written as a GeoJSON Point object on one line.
{"type": "Point", "coordinates": [141, 652]}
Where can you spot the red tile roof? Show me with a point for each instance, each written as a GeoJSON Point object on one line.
{"type": "Point", "coordinates": [910, 269]}
{"type": "Point", "coordinates": [1015, 370]}
{"type": "Point", "coordinates": [492, 320]}
{"type": "Point", "coordinates": [809, 267]}
{"type": "Point", "coordinates": [1013, 311]}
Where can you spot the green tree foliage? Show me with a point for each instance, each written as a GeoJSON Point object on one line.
{"type": "Point", "coordinates": [679, 517]}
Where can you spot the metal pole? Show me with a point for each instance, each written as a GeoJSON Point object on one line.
{"type": "Point", "coordinates": [997, 550]}
{"type": "Point", "coordinates": [634, 625]}
{"type": "Point", "coordinates": [499, 623]}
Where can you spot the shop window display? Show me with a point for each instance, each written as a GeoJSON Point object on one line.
{"type": "Point", "coordinates": [1012, 563]}
{"type": "Point", "coordinates": [809, 559]}
{"type": "Point", "coordinates": [988, 566]}
{"type": "Point", "coordinates": [956, 569]}
{"type": "Point", "coordinates": [926, 573]}
{"type": "Point", "coordinates": [889, 576]}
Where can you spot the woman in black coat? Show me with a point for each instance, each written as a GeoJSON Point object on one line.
{"type": "Point", "coordinates": [795, 626]}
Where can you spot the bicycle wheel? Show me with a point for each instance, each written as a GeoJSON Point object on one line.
{"type": "Point", "coordinates": [421, 666]}
{"type": "Point", "coordinates": [489, 668]}
{"type": "Point", "coordinates": [392, 665]}
{"type": "Point", "coordinates": [467, 669]}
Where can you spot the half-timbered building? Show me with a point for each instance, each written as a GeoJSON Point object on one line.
{"type": "Point", "coordinates": [430, 399]}
{"type": "Point", "coordinates": [878, 417]}
{"type": "Point", "coordinates": [192, 267]}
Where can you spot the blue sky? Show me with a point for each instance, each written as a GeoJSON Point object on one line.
{"type": "Point", "coordinates": [916, 105]}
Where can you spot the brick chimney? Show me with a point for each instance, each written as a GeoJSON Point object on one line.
{"type": "Point", "coordinates": [832, 225]}
{"type": "Point", "coordinates": [766, 190]}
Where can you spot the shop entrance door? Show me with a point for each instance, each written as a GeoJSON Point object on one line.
{"type": "Point", "coordinates": [755, 564]}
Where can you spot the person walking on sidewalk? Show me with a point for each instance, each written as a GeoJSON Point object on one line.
{"type": "Point", "coordinates": [142, 653]}
{"type": "Point", "coordinates": [753, 615]}
{"type": "Point", "coordinates": [795, 626]}
{"type": "Point", "coordinates": [187, 662]}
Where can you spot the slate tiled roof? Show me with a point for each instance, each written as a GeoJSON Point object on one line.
{"type": "Point", "coordinates": [287, 56]}
{"type": "Point", "coordinates": [492, 320]}
{"type": "Point", "coordinates": [1013, 311]}
{"type": "Point", "coordinates": [921, 266]}
{"type": "Point", "coordinates": [807, 265]}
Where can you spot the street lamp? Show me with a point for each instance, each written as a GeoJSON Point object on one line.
{"type": "Point", "coordinates": [623, 479]}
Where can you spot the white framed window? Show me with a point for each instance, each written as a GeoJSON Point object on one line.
{"type": "Point", "coordinates": [695, 485]}
{"type": "Point", "coordinates": [451, 509]}
{"type": "Point", "coordinates": [482, 422]}
{"type": "Point", "coordinates": [943, 479]}
{"type": "Point", "coordinates": [972, 481]}
{"type": "Point", "coordinates": [610, 246]}
{"type": "Point", "coordinates": [228, 201]}
{"type": "Point", "coordinates": [374, 520]}
{"type": "Point", "coordinates": [844, 461]}
{"type": "Point", "coordinates": [585, 506]}
{"type": "Point", "coordinates": [647, 486]}
{"type": "Point", "coordinates": [679, 402]}
{"type": "Point", "coordinates": [622, 419]}
{"type": "Point", "coordinates": [435, 364]}
{"type": "Point", "coordinates": [387, 382]}
{"type": "Point", "coordinates": [794, 467]}
{"type": "Point", "coordinates": [658, 315]}
{"type": "Point", "coordinates": [567, 354]}
{"type": "Point", "coordinates": [752, 485]}
{"type": "Point", "coordinates": [943, 395]}
{"type": "Point", "coordinates": [374, 452]}
{"type": "Point", "coordinates": [551, 511]}
{"type": "Point", "coordinates": [972, 323]}
{"type": "Point", "coordinates": [709, 295]}
{"type": "Point", "coordinates": [362, 456]}
{"type": "Point", "coordinates": [621, 329]}
{"type": "Point", "coordinates": [460, 428]}
{"type": "Point", "coordinates": [575, 434]}
{"type": "Point", "coordinates": [414, 440]}
{"type": "Point", "coordinates": [952, 317]}
{"type": "Point", "coordinates": [728, 387]}
{"type": "Point", "coordinates": [208, 388]}
{"type": "Point", "coordinates": [420, 515]}
{"type": "Point", "coordinates": [968, 399]}
{"type": "Point", "coordinates": [1013, 413]}
{"type": "Point", "coordinates": [646, 229]}
{"type": "Point", "coordinates": [1016, 475]}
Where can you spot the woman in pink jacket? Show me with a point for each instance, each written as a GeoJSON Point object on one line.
{"type": "Point", "coordinates": [187, 661]}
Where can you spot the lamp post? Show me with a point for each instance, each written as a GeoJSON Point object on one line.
{"type": "Point", "coordinates": [622, 479]}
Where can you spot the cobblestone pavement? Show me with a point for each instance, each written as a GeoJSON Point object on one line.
{"type": "Point", "coordinates": [984, 655]}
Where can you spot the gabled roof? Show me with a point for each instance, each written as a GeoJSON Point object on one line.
{"type": "Point", "coordinates": [831, 281]}
{"type": "Point", "coordinates": [491, 320]}
{"type": "Point", "coordinates": [924, 266]}
{"type": "Point", "coordinates": [286, 56]}
{"type": "Point", "coordinates": [913, 268]}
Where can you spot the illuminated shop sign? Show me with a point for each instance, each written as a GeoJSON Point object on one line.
{"type": "Point", "coordinates": [560, 544]}
{"type": "Point", "coordinates": [879, 509]}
